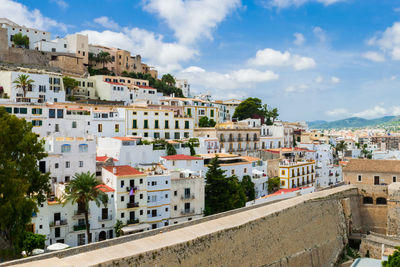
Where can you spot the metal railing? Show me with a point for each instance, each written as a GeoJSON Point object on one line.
{"type": "Point", "coordinates": [79, 227]}
{"type": "Point", "coordinates": [187, 196]}
{"type": "Point", "coordinates": [132, 205]}
{"type": "Point", "coordinates": [58, 223]}
{"type": "Point", "coordinates": [102, 219]}
{"type": "Point", "coordinates": [187, 211]}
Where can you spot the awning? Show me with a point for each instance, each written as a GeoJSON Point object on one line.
{"type": "Point", "coordinates": [135, 228]}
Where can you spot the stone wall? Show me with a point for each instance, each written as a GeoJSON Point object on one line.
{"type": "Point", "coordinates": [309, 230]}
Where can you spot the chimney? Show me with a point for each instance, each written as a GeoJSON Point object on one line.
{"type": "Point", "coordinates": [114, 170]}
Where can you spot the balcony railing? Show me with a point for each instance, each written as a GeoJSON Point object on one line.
{"type": "Point", "coordinates": [128, 188]}
{"type": "Point", "coordinates": [132, 205]}
{"type": "Point", "coordinates": [187, 211]}
{"type": "Point", "coordinates": [103, 219]}
{"type": "Point", "coordinates": [187, 196]}
{"type": "Point", "coordinates": [79, 212]}
{"type": "Point", "coordinates": [79, 227]}
{"type": "Point", "coordinates": [58, 223]}
{"type": "Point", "coordinates": [132, 221]}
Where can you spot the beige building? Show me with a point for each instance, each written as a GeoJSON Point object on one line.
{"type": "Point", "coordinates": [234, 137]}
{"type": "Point", "coordinates": [297, 174]}
{"type": "Point", "coordinates": [371, 172]}
{"type": "Point", "coordinates": [314, 136]}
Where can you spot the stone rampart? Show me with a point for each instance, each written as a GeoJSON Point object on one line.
{"type": "Point", "coordinates": [309, 230]}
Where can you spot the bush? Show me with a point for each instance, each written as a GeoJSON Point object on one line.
{"type": "Point", "coordinates": [32, 241]}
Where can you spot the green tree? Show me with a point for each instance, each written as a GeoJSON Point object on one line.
{"type": "Point", "coordinates": [118, 228]}
{"type": "Point", "coordinates": [274, 114]}
{"type": "Point", "coordinates": [248, 108]}
{"type": "Point", "coordinates": [21, 40]}
{"type": "Point", "coordinates": [342, 147]}
{"type": "Point", "coordinates": [168, 79]}
{"type": "Point", "coordinates": [103, 58]}
{"type": "Point", "coordinates": [274, 184]}
{"type": "Point", "coordinates": [248, 187]}
{"type": "Point", "coordinates": [32, 241]}
{"type": "Point", "coordinates": [23, 82]}
{"type": "Point", "coordinates": [170, 149]}
{"type": "Point", "coordinates": [393, 260]}
{"type": "Point", "coordinates": [192, 150]}
{"type": "Point", "coordinates": [22, 185]}
{"type": "Point", "coordinates": [70, 84]}
{"type": "Point", "coordinates": [82, 190]}
{"type": "Point", "coordinates": [222, 193]}
{"type": "Point", "coordinates": [211, 123]}
{"type": "Point", "coordinates": [203, 122]}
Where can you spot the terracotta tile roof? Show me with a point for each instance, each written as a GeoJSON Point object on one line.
{"type": "Point", "coordinates": [372, 165]}
{"type": "Point", "coordinates": [251, 159]}
{"type": "Point", "coordinates": [104, 158]}
{"type": "Point", "coordinates": [124, 170]}
{"type": "Point", "coordinates": [115, 83]}
{"type": "Point", "coordinates": [105, 188]}
{"type": "Point", "coordinates": [181, 157]}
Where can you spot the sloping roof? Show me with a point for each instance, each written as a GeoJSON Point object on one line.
{"type": "Point", "coordinates": [181, 157]}
{"type": "Point", "coordinates": [104, 158]}
{"type": "Point", "coordinates": [123, 170]}
{"type": "Point", "coordinates": [105, 188]}
{"type": "Point", "coordinates": [373, 165]}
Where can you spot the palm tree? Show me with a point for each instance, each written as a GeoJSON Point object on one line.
{"type": "Point", "coordinates": [341, 146]}
{"type": "Point", "coordinates": [104, 58]}
{"type": "Point", "coordinates": [83, 189]}
{"type": "Point", "coordinates": [23, 82]}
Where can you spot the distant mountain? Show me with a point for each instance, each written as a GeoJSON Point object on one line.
{"type": "Point", "coordinates": [354, 122]}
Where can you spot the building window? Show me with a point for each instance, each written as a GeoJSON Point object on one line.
{"type": "Point", "coordinates": [83, 148]}
{"type": "Point", "coordinates": [381, 201]}
{"type": "Point", "coordinates": [176, 124]}
{"type": "Point", "coordinates": [116, 128]}
{"type": "Point", "coordinates": [122, 198]}
{"type": "Point", "coordinates": [67, 164]}
{"type": "Point", "coordinates": [65, 148]}
{"type": "Point", "coordinates": [57, 232]}
{"type": "Point", "coordinates": [175, 207]}
{"type": "Point", "coordinates": [186, 124]}
{"type": "Point", "coordinates": [146, 124]}
{"type": "Point", "coordinates": [359, 178]}
{"type": "Point", "coordinates": [56, 166]}
{"type": "Point", "coordinates": [134, 124]}
{"type": "Point", "coordinates": [156, 126]}
{"type": "Point", "coordinates": [368, 200]}
{"type": "Point", "coordinates": [232, 172]}
{"type": "Point", "coordinates": [394, 179]}
{"type": "Point", "coordinates": [166, 126]}
{"type": "Point", "coordinates": [122, 214]}
{"type": "Point", "coordinates": [100, 128]}
{"type": "Point", "coordinates": [175, 193]}
{"type": "Point", "coordinates": [80, 164]}
{"type": "Point", "coordinates": [74, 124]}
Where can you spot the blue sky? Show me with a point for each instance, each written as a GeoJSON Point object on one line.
{"type": "Point", "coordinates": [313, 59]}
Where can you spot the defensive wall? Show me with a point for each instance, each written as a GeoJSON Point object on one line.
{"type": "Point", "coordinates": [309, 230]}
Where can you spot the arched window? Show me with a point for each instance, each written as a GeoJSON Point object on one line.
{"type": "Point", "coordinates": [368, 200]}
{"type": "Point", "coordinates": [381, 201]}
{"type": "Point", "coordinates": [65, 148]}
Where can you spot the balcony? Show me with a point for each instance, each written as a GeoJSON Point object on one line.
{"type": "Point", "coordinates": [128, 188]}
{"type": "Point", "coordinates": [78, 214]}
{"type": "Point", "coordinates": [79, 227]}
{"type": "Point", "coordinates": [132, 221]}
{"type": "Point", "coordinates": [103, 219]}
{"type": "Point", "coordinates": [58, 223]}
{"type": "Point", "coordinates": [187, 196]}
{"type": "Point", "coordinates": [187, 211]}
{"type": "Point", "coordinates": [131, 205]}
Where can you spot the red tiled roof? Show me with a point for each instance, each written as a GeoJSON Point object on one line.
{"type": "Point", "coordinates": [181, 157]}
{"type": "Point", "coordinates": [285, 191]}
{"type": "Point", "coordinates": [125, 138]}
{"type": "Point", "coordinates": [105, 188]}
{"type": "Point", "coordinates": [146, 87]}
{"type": "Point", "coordinates": [123, 170]}
{"type": "Point", "coordinates": [104, 158]}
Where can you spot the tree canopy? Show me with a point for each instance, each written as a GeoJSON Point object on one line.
{"type": "Point", "coordinates": [21, 40]}
{"type": "Point", "coordinates": [252, 107]}
{"type": "Point", "coordinates": [222, 193]}
{"type": "Point", "coordinates": [69, 84]}
{"type": "Point", "coordinates": [168, 79]}
{"type": "Point", "coordinates": [23, 82]}
{"type": "Point", "coordinates": [393, 260]}
{"type": "Point", "coordinates": [22, 185]}
{"type": "Point", "coordinates": [273, 184]}
{"type": "Point", "coordinates": [205, 122]}
{"type": "Point", "coordinates": [248, 187]}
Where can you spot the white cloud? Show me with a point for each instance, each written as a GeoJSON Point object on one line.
{"type": "Point", "coordinates": [32, 18]}
{"type": "Point", "coordinates": [107, 23]}
{"type": "Point", "coordinates": [239, 79]}
{"type": "Point", "coordinates": [336, 112]}
{"type": "Point", "coordinates": [297, 89]}
{"type": "Point", "coordinates": [318, 79]}
{"type": "Point", "coordinates": [271, 57]}
{"type": "Point", "coordinates": [192, 19]}
{"type": "Point", "coordinates": [389, 41]}
{"type": "Point", "coordinates": [299, 38]}
{"type": "Point", "coordinates": [374, 112]}
{"type": "Point", "coordinates": [61, 3]}
{"type": "Point", "coordinates": [320, 34]}
{"type": "Point", "coordinates": [335, 79]}
{"type": "Point", "coordinates": [374, 56]}
{"type": "Point", "coordinates": [163, 55]}
{"type": "Point", "coordinates": [297, 3]}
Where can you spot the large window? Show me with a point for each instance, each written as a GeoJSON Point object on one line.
{"type": "Point", "coordinates": [166, 126]}
{"type": "Point", "coordinates": [146, 124]}
{"type": "Point", "coordinates": [134, 124]}
{"type": "Point", "coordinates": [176, 124]}
{"type": "Point", "coordinates": [66, 148]}
{"type": "Point", "coordinates": [156, 126]}
{"type": "Point", "coordinates": [83, 148]}
{"type": "Point", "coordinates": [52, 113]}
{"type": "Point", "coordinates": [186, 124]}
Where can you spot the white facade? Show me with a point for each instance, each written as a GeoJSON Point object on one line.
{"type": "Point", "coordinates": [184, 86]}
{"type": "Point", "coordinates": [59, 45]}
{"type": "Point", "coordinates": [276, 136]}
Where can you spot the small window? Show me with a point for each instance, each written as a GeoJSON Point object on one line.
{"type": "Point", "coordinates": [359, 178]}
{"type": "Point", "coordinates": [394, 179]}
{"type": "Point", "coordinates": [381, 201]}
{"type": "Point", "coordinates": [122, 215]}
{"type": "Point", "coordinates": [368, 200]}
{"type": "Point", "coordinates": [175, 207]}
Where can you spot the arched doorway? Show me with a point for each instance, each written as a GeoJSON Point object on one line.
{"type": "Point", "coordinates": [102, 236]}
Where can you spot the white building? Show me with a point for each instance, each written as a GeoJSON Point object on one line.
{"type": "Point", "coordinates": [34, 35]}
{"type": "Point", "coordinates": [184, 86]}
{"type": "Point", "coordinates": [46, 87]}
{"type": "Point", "coordinates": [183, 162]}
{"type": "Point", "coordinates": [276, 136]}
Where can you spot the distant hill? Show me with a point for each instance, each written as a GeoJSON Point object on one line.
{"type": "Point", "coordinates": [354, 122]}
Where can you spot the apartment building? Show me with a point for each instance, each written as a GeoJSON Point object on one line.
{"type": "Point", "coordinates": [276, 136]}
{"type": "Point", "coordinates": [195, 108]}
{"type": "Point", "coordinates": [157, 123]}
{"type": "Point", "coordinates": [295, 174]}
{"type": "Point", "coordinates": [34, 35]}
{"type": "Point", "coordinates": [184, 86]}
{"type": "Point", "coordinates": [46, 87]}
{"type": "Point", "coordinates": [68, 156]}
{"type": "Point", "coordinates": [130, 200]}
{"type": "Point", "coordinates": [386, 142]}
{"type": "Point", "coordinates": [229, 107]}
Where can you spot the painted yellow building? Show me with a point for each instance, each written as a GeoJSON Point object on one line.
{"type": "Point", "coordinates": [296, 174]}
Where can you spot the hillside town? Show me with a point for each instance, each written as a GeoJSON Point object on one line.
{"type": "Point", "coordinates": [154, 149]}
